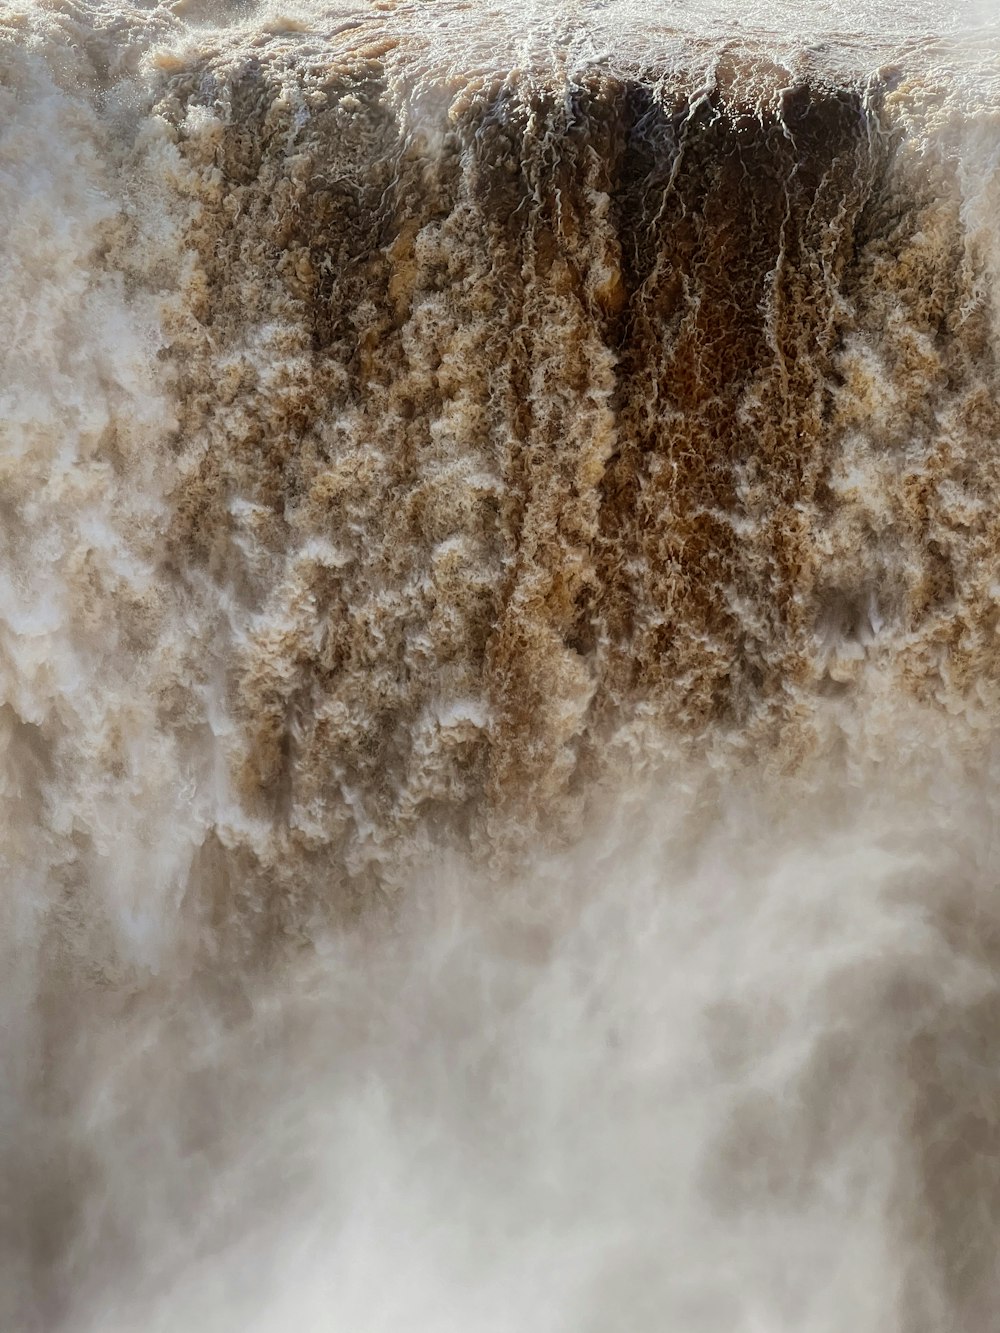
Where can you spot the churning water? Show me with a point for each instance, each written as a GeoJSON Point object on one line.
{"type": "Point", "coordinates": [499, 667]}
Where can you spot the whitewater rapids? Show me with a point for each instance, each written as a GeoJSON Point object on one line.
{"type": "Point", "coordinates": [499, 668]}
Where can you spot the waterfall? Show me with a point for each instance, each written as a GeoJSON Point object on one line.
{"type": "Point", "coordinates": [499, 667]}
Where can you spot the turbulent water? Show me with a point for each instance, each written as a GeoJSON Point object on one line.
{"type": "Point", "coordinates": [499, 668]}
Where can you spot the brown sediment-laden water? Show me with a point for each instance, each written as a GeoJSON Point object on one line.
{"type": "Point", "coordinates": [500, 668]}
